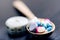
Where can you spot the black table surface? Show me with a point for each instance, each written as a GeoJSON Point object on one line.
{"type": "Point", "coordinates": [41, 8]}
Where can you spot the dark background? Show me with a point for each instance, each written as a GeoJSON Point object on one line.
{"type": "Point", "coordinates": [41, 8]}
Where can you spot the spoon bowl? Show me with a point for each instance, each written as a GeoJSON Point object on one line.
{"type": "Point", "coordinates": [43, 35]}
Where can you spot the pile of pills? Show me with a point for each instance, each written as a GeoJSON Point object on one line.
{"type": "Point", "coordinates": [40, 27]}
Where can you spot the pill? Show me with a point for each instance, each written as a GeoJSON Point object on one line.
{"type": "Point", "coordinates": [32, 26]}
{"type": "Point", "coordinates": [40, 29]}
{"type": "Point", "coordinates": [49, 25]}
{"type": "Point", "coordinates": [34, 30]}
{"type": "Point", "coordinates": [47, 20]}
{"type": "Point", "coordinates": [49, 29]}
{"type": "Point", "coordinates": [38, 23]}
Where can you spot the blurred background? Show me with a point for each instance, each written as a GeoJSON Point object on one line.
{"type": "Point", "coordinates": [41, 8]}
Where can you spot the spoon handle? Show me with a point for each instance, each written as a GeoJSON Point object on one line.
{"type": "Point", "coordinates": [22, 7]}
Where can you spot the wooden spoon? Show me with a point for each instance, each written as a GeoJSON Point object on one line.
{"type": "Point", "coordinates": [24, 9]}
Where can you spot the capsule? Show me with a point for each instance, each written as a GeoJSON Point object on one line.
{"type": "Point", "coordinates": [49, 29]}
{"type": "Point", "coordinates": [40, 29]}
{"type": "Point", "coordinates": [32, 26]}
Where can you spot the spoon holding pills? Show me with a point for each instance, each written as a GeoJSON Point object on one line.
{"type": "Point", "coordinates": [36, 25]}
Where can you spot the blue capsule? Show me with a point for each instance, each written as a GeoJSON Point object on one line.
{"type": "Point", "coordinates": [49, 29]}
{"type": "Point", "coordinates": [49, 25]}
{"type": "Point", "coordinates": [38, 23]}
{"type": "Point", "coordinates": [45, 26]}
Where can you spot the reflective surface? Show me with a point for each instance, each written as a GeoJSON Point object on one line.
{"type": "Point", "coordinates": [41, 8]}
